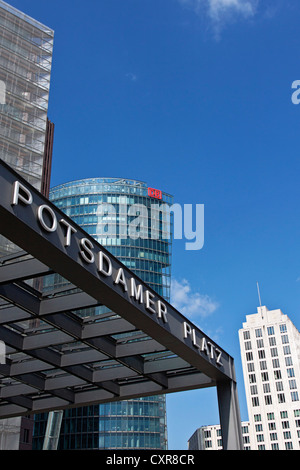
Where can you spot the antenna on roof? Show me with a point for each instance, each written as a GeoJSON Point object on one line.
{"type": "Point", "coordinates": [258, 294]}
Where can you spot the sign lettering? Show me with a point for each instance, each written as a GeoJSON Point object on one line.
{"type": "Point", "coordinates": [202, 344]}
{"type": "Point", "coordinates": [91, 254]}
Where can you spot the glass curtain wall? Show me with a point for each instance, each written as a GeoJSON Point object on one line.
{"type": "Point", "coordinates": [137, 229]}
{"type": "Point", "coordinates": [26, 48]}
{"type": "Point", "coordinates": [25, 66]}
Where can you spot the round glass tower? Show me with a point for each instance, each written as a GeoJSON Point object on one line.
{"type": "Point", "coordinates": [133, 222]}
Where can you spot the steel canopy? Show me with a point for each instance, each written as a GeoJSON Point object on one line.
{"type": "Point", "coordinates": [55, 357]}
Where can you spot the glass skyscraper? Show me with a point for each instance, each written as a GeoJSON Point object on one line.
{"type": "Point", "coordinates": [133, 222]}
{"type": "Point", "coordinates": [26, 134]}
{"type": "Point", "coordinates": [25, 65]}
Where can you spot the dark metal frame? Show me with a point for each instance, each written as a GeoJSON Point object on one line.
{"type": "Point", "coordinates": [57, 359]}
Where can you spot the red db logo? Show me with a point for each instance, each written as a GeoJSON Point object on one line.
{"type": "Point", "coordinates": [154, 193]}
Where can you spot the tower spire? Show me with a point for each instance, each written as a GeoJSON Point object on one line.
{"type": "Point", "coordinates": [258, 294]}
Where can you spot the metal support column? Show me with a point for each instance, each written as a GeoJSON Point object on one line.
{"type": "Point", "coordinates": [53, 430]}
{"type": "Point", "coordinates": [230, 418]}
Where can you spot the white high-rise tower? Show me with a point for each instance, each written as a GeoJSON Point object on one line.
{"type": "Point", "coordinates": [270, 350]}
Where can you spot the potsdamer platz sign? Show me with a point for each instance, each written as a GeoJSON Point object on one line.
{"type": "Point", "coordinates": [57, 359]}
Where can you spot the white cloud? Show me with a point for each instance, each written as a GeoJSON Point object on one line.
{"type": "Point", "coordinates": [221, 12]}
{"type": "Point", "coordinates": [131, 76]}
{"type": "Point", "coordinates": [189, 303]}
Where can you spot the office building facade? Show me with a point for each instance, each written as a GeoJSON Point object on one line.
{"type": "Point", "coordinates": [25, 66]}
{"type": "Point", "coordinates": [270, 351]}
{"type": "Point", "coordinates": [132, 222]}
{"type": "Point", "coordinates": [26, 134]}
{"type": "Point", "coordinates": [26, 48]}
{"type": "Point", "coordinates": [210, 438]}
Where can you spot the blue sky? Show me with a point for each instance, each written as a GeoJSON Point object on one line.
{"type": "Point", "coordinates": [193, 97]}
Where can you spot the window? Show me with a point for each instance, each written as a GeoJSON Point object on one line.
{"type": "Point", "coordinates": [258, 333]}
{"type": "Point", "coordinates": [284, 339]}
{"type": "Point", "coordinates": [292, 384]}
{"type": "Point", "coordinates": [258, 427]}
{"type": "Point", "coordinates": [277, 374]}
{"type": "Point", "coordinates": [257, 418]}
{"type": "Point", "coordinates": [283, 414]}
{"type": "Point", "coordinates": [279, 386]}
{"type": "Point", "coordinates": [246, 334]}
{"type": "Point", "coordinates": [255, 401]}
{"type": "Point", "coordinates": [275, 363]}
{"type": "Point", "coordinates": [261, 354]}
{"type": "Point", "coordinates": [272, 341]}
{"type": "Point", "coordinates": [249, 356]}
{"type": "Point", "coordinates": [274, 352]}
{"type": "Point", "coordinates": [288, 361]}
{"type": "Point", "coordinates": [268, 399]}
{"type": "Point", "coordinates": [248, 345]}
{"type": "Point", "coordinates": [266, 387]}
{"type": "Point", "coordinates": [252, 378]}
{"type": "Point", "coordinates": [290, 372]}
{"type": "Point", "coordinates": [273, 436]}
{"type": "Point", "coordinates": [270, 330]}
{"type": "Point", "coordinates": [294, 396]}
{"type": "Point", "coordinates": [25, 436]}
{"type": "Point", "coordinates": [263, 365]}
{"type": "Point", "coordinates": [260, 343]}
{"type": "Point", "coordinates": [281, 398]}
{"type": "Point", "coordinates": [282, 328]}
{"type": "Point", "coordinates": [253, 390]}
{"type": "Point", "coordinates": [285, 424]}
{"type": "Point", "coordinates": [264, 376]}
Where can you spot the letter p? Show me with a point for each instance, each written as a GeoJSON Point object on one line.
{"type": "Point", "coordinates": [21, 193]}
